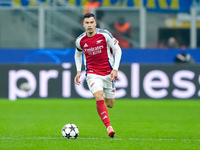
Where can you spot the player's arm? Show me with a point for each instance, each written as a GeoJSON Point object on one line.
{"type": "Point", "coordinates": [117, 53]}
{"type": "Point", "coordinates": [78, 62]}
{"type": "Point", "coordinates": [113, 43]}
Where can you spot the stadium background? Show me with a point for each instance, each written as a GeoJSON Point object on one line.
{"type": "Point", "coordinates": [37, 45]}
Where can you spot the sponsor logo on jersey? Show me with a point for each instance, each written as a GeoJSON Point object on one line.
{"type": "Point", "coordinates": [94, 50]}
{"type": "Point", "coordinates": [85, 45]}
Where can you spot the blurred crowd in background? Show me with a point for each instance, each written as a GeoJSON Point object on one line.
{"type": "Point", "coordinates": [61, 22]}
{"type": "Point", "coordinates": [38, 24]}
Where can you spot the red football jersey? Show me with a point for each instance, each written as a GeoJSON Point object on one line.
{"type": "Point", "coordinates": [98, 51]}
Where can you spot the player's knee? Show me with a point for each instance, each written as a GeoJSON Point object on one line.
{"type": "Point", "coordinates": [98, 95]}
{"type": "Point", "coordinates": [110, 103]}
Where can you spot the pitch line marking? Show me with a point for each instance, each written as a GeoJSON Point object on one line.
{"type": "Point", "coordinates": [120, 139]}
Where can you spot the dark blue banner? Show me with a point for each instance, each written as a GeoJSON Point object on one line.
{"type": "Point", "coordinates": [59, 56]}
{"type": "Point", "coordinates": [151, 5]}
{"type": "Point", "coordinates": [168, 5]}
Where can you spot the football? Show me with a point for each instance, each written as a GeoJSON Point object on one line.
{"type": "Point", "coordinates": [25, 86]}
{"type": "Point", "coordinates": [70, 131]}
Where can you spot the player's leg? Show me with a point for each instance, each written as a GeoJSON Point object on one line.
{"type": "Point", "coordinates": [95, 85]}
{"type": "Point", "coordinates": [109, 91]}
{"type": "Point", "coordinates": [109, 95]}
{"type": "Point", "coordinates": [98, 95]}
{"type": "Point", "coordinates": [109, 102]}
{"type": "Point", "coordinates": [101, 108]}
{"type": "Point", "coordinates": [103, 112]}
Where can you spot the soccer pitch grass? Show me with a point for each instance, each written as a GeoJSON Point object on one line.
{"type": "Point", "coordinates": [36, 124]}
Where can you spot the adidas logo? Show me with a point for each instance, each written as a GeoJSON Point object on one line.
{"type": "Point", "coordinates": [85, 45]}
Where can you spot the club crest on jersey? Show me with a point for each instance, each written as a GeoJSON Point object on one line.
{"type": "Point", "coordinates": [85, 45]}
{"type": "Point", "coordinates": [99, 41]}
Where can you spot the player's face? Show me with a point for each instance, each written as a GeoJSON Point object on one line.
{"type": "Point", "coordinates": [90, 26]}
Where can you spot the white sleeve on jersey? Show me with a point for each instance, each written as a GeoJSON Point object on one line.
{"type": "Point", "coordinates": [117, 52]}
{"type": "Point", "coordinates": [78, 60]}
{"type": "Point", "coordinates": [78, 55]}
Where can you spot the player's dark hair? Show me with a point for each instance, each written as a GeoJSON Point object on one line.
{"type": "Point", "coordinates": [88, 15]}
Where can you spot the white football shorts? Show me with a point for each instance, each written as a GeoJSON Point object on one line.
{"type": "Point", "coordinates": [98, 82]}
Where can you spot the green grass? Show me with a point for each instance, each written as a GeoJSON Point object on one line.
{"type": "Point", "coordinates": [32, 124]}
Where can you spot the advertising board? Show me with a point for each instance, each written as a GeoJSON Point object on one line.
{"type": "Point", "coordinates": [134, 81]}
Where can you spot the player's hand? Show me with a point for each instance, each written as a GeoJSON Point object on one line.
{"type": "Point", "coordinates": [77, 78]}
{"type": "Point", "coordinates": [114, 75]}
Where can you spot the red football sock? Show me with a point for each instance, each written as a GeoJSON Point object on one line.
{"type": "Point", "coordinates": [103, 112]}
